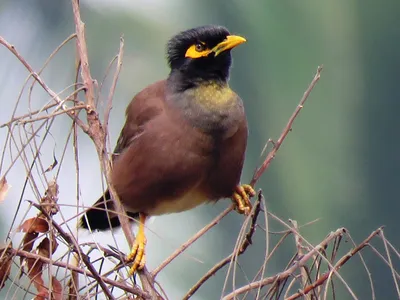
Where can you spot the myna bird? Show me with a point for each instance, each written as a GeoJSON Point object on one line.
{"type": "Point", "coordinates": [184, 139]}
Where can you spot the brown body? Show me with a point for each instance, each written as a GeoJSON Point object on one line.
{"type": "Point", "coordinates": [166, 163]}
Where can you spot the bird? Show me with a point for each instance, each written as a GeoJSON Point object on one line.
{"type": "Point", "coordinates": [183, 142]}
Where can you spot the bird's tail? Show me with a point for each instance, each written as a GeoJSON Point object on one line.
{"type": "Point", "coordinates": [101, 215]}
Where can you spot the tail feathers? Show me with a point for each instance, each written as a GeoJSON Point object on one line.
{"type": "Point", "coordinates": [101, 216]}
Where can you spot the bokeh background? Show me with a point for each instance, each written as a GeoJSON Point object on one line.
{"type": "Point", "coordinates": [340, 164]}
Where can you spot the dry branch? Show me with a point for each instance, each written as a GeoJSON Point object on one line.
{"type": "Point", "coordinates": [247, 241]}
{"type": "Point", "coordinates": [98, 135]}
{"type": "Point", "coordinates": [285, 274]}
{"type": "Point", "coordinates": [271, 155]}
{"type": "Point", "coordinates": [131, 289]}
{"type": "Point", "coordinates": [322, 279]}
{"type": "Point", "coordinates": [54, 95]}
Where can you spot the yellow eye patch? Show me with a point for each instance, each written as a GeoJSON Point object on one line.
{"type": "Point", "coordinates": [200, 49]}
{"type": "Point", "coordinates": [197, 50]}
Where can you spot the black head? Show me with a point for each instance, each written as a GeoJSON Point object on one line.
{"type": "Point", "coordinates": [201, 54]}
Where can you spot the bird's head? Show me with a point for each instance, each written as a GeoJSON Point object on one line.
{"type": "Point", "coordinates": [202, 54]}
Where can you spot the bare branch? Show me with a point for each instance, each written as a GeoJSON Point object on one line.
{"type": "Point", "coordinates": [114, 84]}
{"type": "Point", "coordinates": [247, 241]}
{"type": "Point", "coordinates": [83, 53]}
{"type": "Point", "coordinates": [271, 155]}
{"type": "Point", "coordinates": [321, 280]}
{"type": "Point", "coordinates": [285, 274]}
{"type": "Point", "coordinates": [193, 239]}
{"type": "Point", "coordinates": [42, 83]}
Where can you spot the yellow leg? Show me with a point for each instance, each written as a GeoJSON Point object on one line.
{"type": "Point", "coordinates": [241, 197]}
{"type": "Point", "coordinates": [137, 254]}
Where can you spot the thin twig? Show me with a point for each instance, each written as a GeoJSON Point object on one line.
{"type": "Point", "coordinates": [189, 242]}
{"type": "Point", "coordinates": [113, 85]}
{"type": "Point", "coordinates": [337, 266]}
{"type": "Point", "coordinates": [369, 274]}
{"type": "Point", "coordinates": [286, 130]}
{"type": "Point", "coordinates": [389, 259]}
{"type": "Point", "coordinates": [54, 114]}
{"type": "Point", "coordinates": [83, 53]}
{"type": "Point", "coordinates": [41, 82]}
{"type": "Point", "coordinates": [285, 274]}
{"type": "Point", "coordinates": [247, 241]}
{"type": "Point", "coordinates": [299, 245]}
{"type": "Point", "coordinates": [378, 254]}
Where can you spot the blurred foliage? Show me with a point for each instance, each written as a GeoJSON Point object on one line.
{"type": "Point", "coordinates": [340, 163]}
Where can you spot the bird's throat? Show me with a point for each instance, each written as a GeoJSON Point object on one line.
{"type": "Point", "coordinates": [213, 97]}
{"type": "Point", "coordinates": [211, 106]}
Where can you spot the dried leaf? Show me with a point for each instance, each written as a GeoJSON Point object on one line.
{"type": "Point", "coordinates": [34, 272]}
{"type": "Point", "coordinates": [42, 295]}
{"type": "Point", "coordinates": [57, 289]}
{"type": "Point", "coordinates": [34, 267]}
{"type": "Point", "coordinates": [34, 225]}
{"type": "Point", "coordinates": [44, 247]}
{"type": "Point", "coordinates": [51, 198]}
{"type": "Point", "coordinates": [4, 187]}
{"type": "Point", "coordinates": [29, 239]}
{"type": "Point", "coordinates": [55, 163]}
{"type": "Point", "coordinates": [73, 282]}
{"type": "Point", "coordinates": [5, 264]}
{"type": "Point", "coordinates": [72, 289]}
{"type": "Point", "coordinates": [27, 245]}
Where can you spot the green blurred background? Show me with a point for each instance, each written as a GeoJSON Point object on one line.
{"type": "Point", "coordinates": [341, 163]}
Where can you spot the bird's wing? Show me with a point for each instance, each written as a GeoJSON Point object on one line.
{"type": "Point", "coordinates": [145, 106]}
{"type": "Point", "coordinates": [164, 165]}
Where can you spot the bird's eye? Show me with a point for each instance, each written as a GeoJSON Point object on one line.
{"type": "Point", "coordinates": [200, 47]}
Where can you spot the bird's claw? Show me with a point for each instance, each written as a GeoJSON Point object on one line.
{"type": "Point", "coordinates": [137, 255]}
{"type": "Point", "coordinates": [241, 197]}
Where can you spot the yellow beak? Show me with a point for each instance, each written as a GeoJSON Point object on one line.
{"type": "Point", "coordinates": [230, 42]}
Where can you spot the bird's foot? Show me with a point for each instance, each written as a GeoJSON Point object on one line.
{"type": "Point", "coordinates": [137, 254]}
{"type": "Point", "coordinates": [241, 197]}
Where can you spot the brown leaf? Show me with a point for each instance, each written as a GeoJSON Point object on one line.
{"type": "Point", "coordinates": [34, 225]}
{"type": "Point", "coordinates": [4, 187]}
{"type": "Point", "coordinates": [55, 163]}
{"type": "Point", "coordinates": [44, 247]}
{"type": "Point", "coordinates": [34, 272]}
{"type": "Point", "coordinates": [50, 198]}
{"type": "Point", "coordinates": [57, 289]}
{"type": "Point", "coordinates": [29, 239]}
{"type": "Point", "coordinates": [34, 268]}
{"type": "Point", "coordinates": [5, 264]}
{"type": "Point", "coordinates": [42, 295]}
{"type": "Point", "coordinates": [73, 282]}
{"type": "Point", "coordinates": [27, 245]}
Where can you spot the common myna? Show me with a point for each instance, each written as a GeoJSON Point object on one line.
{"type": "Point", "coordinates": [184, 139]}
